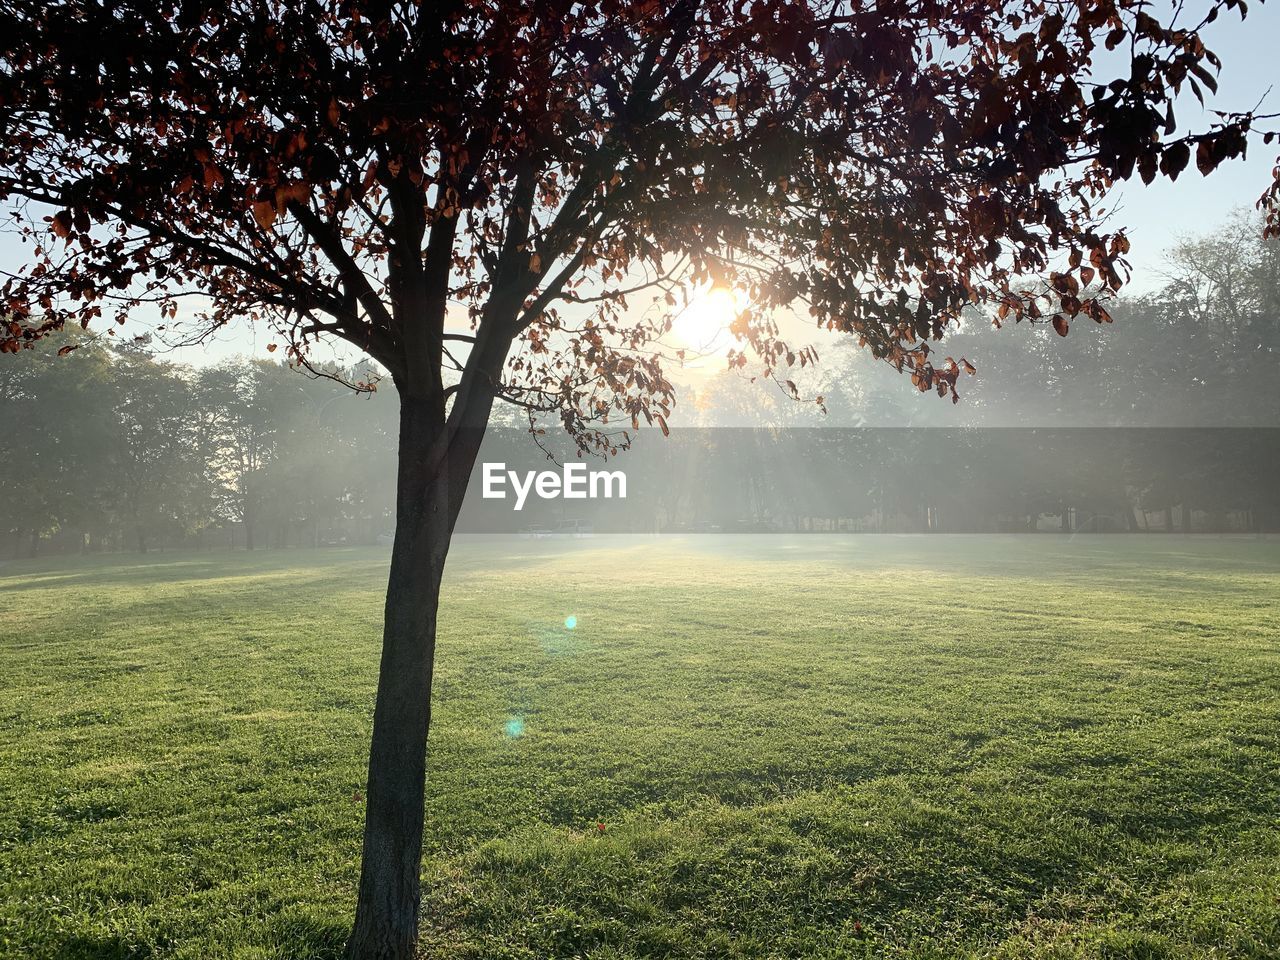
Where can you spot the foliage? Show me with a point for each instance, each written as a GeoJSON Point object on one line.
{"type": "Point", "coordinates": [349, 169]}
{"type": "Point", "coordinates": [1197, 348]}
{"type": "Point", "coordinates": [112, 448]}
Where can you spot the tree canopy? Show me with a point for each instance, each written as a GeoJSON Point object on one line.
{"type": "Point", "coordinates": [432, 182]}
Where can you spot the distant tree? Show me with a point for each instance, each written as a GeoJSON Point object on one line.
{"type": "Point", "coordinates": [1216, 320]}
{"type": "Point", "coordinates": [333, 459]}
{"type": "Point", "coordinates": [241, 432]}
{"type": "Point", "coordinates": [1196, 349]}
{"type": "Point", "coordinates": [475, 192]}
{"type": "Point", "coordinates": [157, 464]}
{"type": "Point", "coordinates": [56, 444]}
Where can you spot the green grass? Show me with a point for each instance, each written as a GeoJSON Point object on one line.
{"type": "Point", "coordinates": [797, 747]}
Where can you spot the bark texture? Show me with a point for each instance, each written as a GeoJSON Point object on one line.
{"type": "Point", "coordinates": [435, 462]}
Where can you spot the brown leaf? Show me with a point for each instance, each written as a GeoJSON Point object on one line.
{"type": "Point", "coordinates": [1060, 324]}
{"type": "Point", "coordinates": [1147, 167]}
{"type": "Point", "coordinates": [296, 192]}
{"type": "Point", "coordinates": [1205, 160]}
{"type": "Point", "coordinates": [1174, 160]}
{"type": "Point", "coordinates": [62, 223]}
{"type": "Point", "coordinates": [264, 211]}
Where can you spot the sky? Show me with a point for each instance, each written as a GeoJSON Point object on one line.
{"type": "Point", "coordinates": [1156, 215]}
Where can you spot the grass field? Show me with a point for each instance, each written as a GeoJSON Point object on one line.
{"type": "Point", "coordinates": [746, 747]}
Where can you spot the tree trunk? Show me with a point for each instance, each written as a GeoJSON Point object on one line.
{"type": "Point", "coordinates": [248, 522]}
{"type": "Point", "coordinates": [428, 493]}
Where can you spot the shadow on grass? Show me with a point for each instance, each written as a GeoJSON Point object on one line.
{"type": "Point", "coordinates": [122, 569]}
{"type": "Point", "coordinates": [102, 948]}
{"type": "Point", "coordinates": [290, 935]}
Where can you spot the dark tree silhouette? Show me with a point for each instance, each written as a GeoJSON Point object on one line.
{"type": "Point", "coordinates": [476, 193]}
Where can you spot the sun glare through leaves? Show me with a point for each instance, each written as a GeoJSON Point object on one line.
{"type": "Point", "coordinates": [702, 328]}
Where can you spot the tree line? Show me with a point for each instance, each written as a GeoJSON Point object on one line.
{"type": "Point", "coordinates": [114, 448]}
{"type": "Point", "coordinates": [911, 480]}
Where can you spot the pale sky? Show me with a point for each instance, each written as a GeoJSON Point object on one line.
{"type": "Point", "coordinates": [1156, 215]}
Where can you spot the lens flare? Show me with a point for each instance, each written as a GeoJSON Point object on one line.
{"type": "Point", "coordinates": [570, 622]}
{"type": "Point", "coordinates": [514, 727]}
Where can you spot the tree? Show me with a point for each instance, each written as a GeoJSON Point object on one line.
{"type": "Point", "coordinates": [157, 464]}
{"type": "Point", "coordinates": [242, 431]}
{"type": "Point", "coordinates": [54, 477]}
{"type": "Point", "coordinates": [1222, 302]}
{"type": "Point", "coordinates": [439, 183]}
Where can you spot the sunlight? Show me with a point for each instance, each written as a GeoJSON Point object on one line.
{"type": "Point", "coordinates": [702, 326]}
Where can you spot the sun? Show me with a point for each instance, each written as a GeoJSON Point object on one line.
{"type": "Point", "coordinates": [702, 326]}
